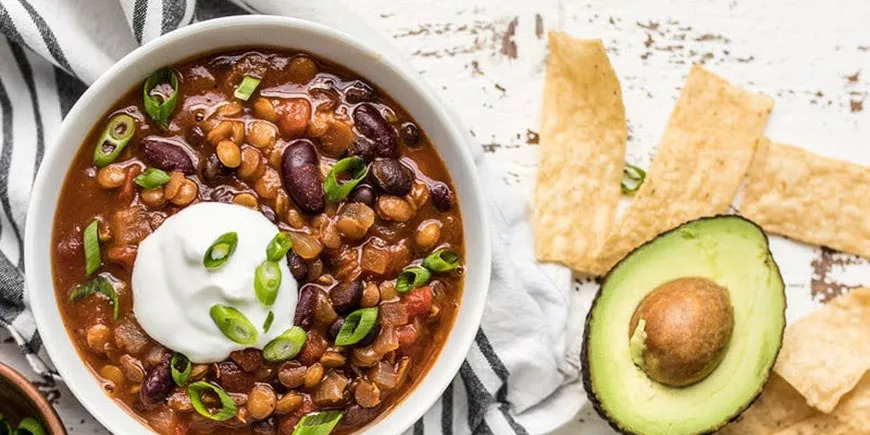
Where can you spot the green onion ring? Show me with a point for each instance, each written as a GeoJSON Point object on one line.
{"type": "Point", "coordinates": [151, 178]}
{"type": "Point", "coordinates": [632, 179]}
{"type": "Point", "coordinates": [233, 324]}
{"type": "Point", "coordinates": [228, 406]}
{"type": "Point", "coordinates": [279, 246]}
{"type": "Point", "coordinates": [267, 282]}
{"type": "Point", "coordinates": [158, 109]}
{"type": "Point", "coordinates": [99, 284]}
{"type": "Point", "coordinates": [285, 346]}
{"type": "Point", "coordinates": [5, 427]}
{"type": "Point", "coordinates": [246, 88]}
{"type": "Point", "coordinates": [356, 326]}
{"type": "Point", "coordinates": [180, 376]}
{"type": "Point", "coordinates": [30, 426]}
{"type": "Point", "coordinates": [355, 167]}
{"type": "Point", "coordinates": [318, 423]}
{"type": "Point", "coordinates": [268, 322]}
{"type": "Point", "coordinates": [220, 250]}
{"type": "Point", "coordinates": [411, 278]}
{"type": "Point", "coordinates": [114, 138]}
{"type": "Point", "coordinates": [442, 260]}
{"type": "Point", "coordinates": [91, 240]}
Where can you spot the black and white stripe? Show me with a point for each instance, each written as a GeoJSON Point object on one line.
{"type": "Point", "coordinates": [44, 64]}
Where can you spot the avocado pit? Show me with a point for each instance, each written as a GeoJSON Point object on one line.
{"type": "Point", "coordinates": [680, 331]}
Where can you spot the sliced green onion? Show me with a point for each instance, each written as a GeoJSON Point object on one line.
{"type": "Point", "coordinates": [114, 138]}
{"type": "Point", "coordinates": [151, 178]}
{"type": "Point", "coordinates": [442, 260]}
{"type": "Point", "coordinates": [228, 406]}
{"type": "Point", "coordinates": [233, 324]}
{"type": "Point", "coordinates": [285, 346]}
{"type": "Point", "coordinates": [318, 423]}
{"type": "Point", "coordinates": [268, 322]}
{"type": "Point", "coordinates": [353, 166]}
{"type": "Point", "coordinates": [356, 326]}
{"type": "Point", "coordinates": [160, 107]}
{"type": "Point", "coordinates": [246, 88]}
{"type": "Point", "coordinates": [180, 375]}
{"type": "Point", "coordinates": [267, 281]}
{"type": "Point", "coordinates": [5, 427]}
{"type": "Point", "coordinates": [411, 278]}
{"type": "Point", "coordinates": [632, 178]}
{"type": "Point", "coordinates": [100, 284]}
{"type": "Point", "coordinates": [220, 250]}
{"type": "Point", "coordinates": [279, 246]}
{"type": "Point", "coordinates": [92, 247]}
{"type": "Point", "coordinates": [30, 426]}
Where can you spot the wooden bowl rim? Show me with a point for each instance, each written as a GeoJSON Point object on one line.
{"type": "Point", "coordinates": [25, 387]}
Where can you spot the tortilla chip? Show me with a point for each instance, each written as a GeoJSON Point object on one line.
{"type": "Point", "coordinates": [779, 406]}
{"type": "Point", "coordinates": [826, 353]}
{"type": "Point", "coordinates": [807, 197]}
{"type": "Point", "coordinates": [851, 416]}
{"type": "Point", "coordinates": [583, 135]}
{"type": "Point", "coordinates": [702, 158]}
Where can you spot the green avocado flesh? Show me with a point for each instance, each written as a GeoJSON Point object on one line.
{"type": "Point", "coordinates": [733, 253]}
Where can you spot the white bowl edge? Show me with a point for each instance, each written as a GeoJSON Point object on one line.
{"type": "Point", "coordinates": [252, 31]}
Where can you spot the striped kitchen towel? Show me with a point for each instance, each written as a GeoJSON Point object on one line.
{"type": "Point", "coordinates": [513, 378]}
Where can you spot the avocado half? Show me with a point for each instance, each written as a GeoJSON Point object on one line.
{"type": "Point", "coordinates": [730, 252]}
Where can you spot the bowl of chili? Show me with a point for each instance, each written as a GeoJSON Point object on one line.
{"type": "Point", "coordinates": [23, 409]}
{"type": "Point", "coordinates": [354, 178]}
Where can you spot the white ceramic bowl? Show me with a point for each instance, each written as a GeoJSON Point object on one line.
{"type": "Point", "coordinates": [406, 88]}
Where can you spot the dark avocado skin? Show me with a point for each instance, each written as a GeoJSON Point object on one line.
{"type": "Point", "coordinates": [584, 352]}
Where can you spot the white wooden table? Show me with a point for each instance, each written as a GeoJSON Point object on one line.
{"type": "Point", "coordinates": [486, 58]}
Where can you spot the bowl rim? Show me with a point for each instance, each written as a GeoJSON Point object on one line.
{"type": "Point", "coordinates": [24, 386]}
{"type": "Point", "coordinates": [463, 335]}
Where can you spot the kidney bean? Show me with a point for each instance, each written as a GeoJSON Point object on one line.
{"type": "Point", "coordinates": [362, 148]}
{"type": "Point", "coordinates": [248, 359]}
{"type": "Point", "coordinates": [300, 172]}
{"type": "Point", "coordinates": [410, 134]}
{"type": "Point", "coordinates": [305, 306]}
{"type": "Point", "coordinates": [392, 177]}
{"type": "Point", "coordinates": [167, 156]}
{"type": "Point", "coordinates": [441, 196]}
{"type": "Point", "coordinates": [359, 92]}
{"type": "Point", "coordinates": [232, 378]}
{"type": "Point", "coordinates": [357, 415]}
{"type": "Point", "coordinates": [371, 124]}
{"type": "Point", "coordinates": [157, 384]}
{"type": "Point", "coordinates": [346, 296]}
{"type": "Point", "coordinates": [297, 266]}
{"type": "Point", "coordinates": [364, 194]}
{"type": "Point", "coordinates": [333, 330]}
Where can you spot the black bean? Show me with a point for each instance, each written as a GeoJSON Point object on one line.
{"type": "Point", "coordinates": [441, 196]}
{"type": "Point", "coordinates": [213, 169]}
{"type": "Point", "coordinates": [265, 427]}
{"type": "Point", "coordinates": [300, 172]}
{"type": "Point", "coordinates": [364, 194]}
{"type": "Point", "coordinates": [335, 328]}
{"type": "Point", "coordinates": [297, 266]}
{"type": "Point", "coordinates": [410, 134]}
{"type": "Point", "coordinates": [305, 306]}
{"type": "Point", "coordinates": [371, 124]}
{"type": "Point", "coordinates": [157, 384]}
{"type": "Point", "coordinates": [392, 177]}
{"type": "Point", "coordinates": [359, 92]}
{"type": "Point", "coordinates": [362, 148]}
{"type": "Point", "coordinates": [346, 296]}
{"type": "Point", "coordinates": [166, 155]}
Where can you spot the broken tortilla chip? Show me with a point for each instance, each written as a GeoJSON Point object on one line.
{"type": "Point", "coordinates": [810, 198]}
{"type": "Point", "coordinates": [826, 353]}
{"type": "Point", "coordinates": [582, 146]}
{"type": "Point", "coordinates": [778, 407]}
{"type": "Point", "coordinates": [702, 159]}
{"type": "Point", "coordinates": [850, 417]}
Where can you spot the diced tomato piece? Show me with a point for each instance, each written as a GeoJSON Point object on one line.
{"type": "Point", "coordinates": [407, 335]}
{"type": "Point", "coordinates": [418, 301]}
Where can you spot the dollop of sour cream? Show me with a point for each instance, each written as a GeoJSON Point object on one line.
{"type": "Point", "coordinates": [173, 291]}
